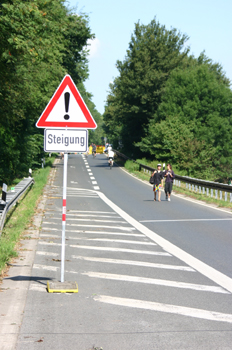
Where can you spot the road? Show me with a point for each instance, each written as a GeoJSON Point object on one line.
{"type": "Point", "coordinates": [151, 275]}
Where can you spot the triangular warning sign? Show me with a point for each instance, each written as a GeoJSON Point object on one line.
{"type": "Point", "coordinates": [66, 109]}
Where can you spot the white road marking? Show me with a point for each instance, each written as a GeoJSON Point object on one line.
{"type": "Point", "coordinates": [96, 187]}
{"type": "Point", "coordinates": [95, 232]}
{"type": "Point", "coordinates": [94, 182]}
{"type": "Point", "coordinates": [87, 166]}
{"type": "Point", "coordinates": [88, 170]}
{"type": "Point", "coordinates": [48, 235]}
{"type": "Point", "coordinates": [49, 243]}
{"type": "Point", "coordinates": [173, 309]}
{"type": "Point", "coordinates": [92, 211]}
{"type": "Point", "coordinates": [135, 263]}
{"type": "Point", "coordinates": [119, 241]}
{"type": "Point", "coordinates": [99, 226]}
{"type": "Point", "coordinates": [90, 174]}
{"type": "Point", "coordinates": [103, 226]}
{"type": "Point", "coordinates": [92, 178]}
{"type": "Point", "coordinates": [45, 267]}
{"type": "Point", "coordinates": [95, 216]}
{"type": "Point", "coordinates": [81, 196]}
{"type": "Point", "coordinates": [46, 253]}
{"type": "Point", "coordinates": [93, 220]}
{"type": "Point", "coordinates": [216, 276]}
{"type": "Point", "coordinates": [38, 287]}
{"type": "Point", "coordinates": [187, 220]}
{"type": "Point", "coordinates": [159, 282]}
{"type": "Point", "coordinates": [108, 249]}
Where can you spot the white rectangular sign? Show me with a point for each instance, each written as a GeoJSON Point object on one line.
{"type": "Point", "coordinates": [65, 140]}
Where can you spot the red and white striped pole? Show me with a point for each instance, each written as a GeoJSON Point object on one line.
{"type": "Point", "coordinates": [64, 216]}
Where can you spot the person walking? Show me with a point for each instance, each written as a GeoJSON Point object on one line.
{"type": "Point", "coordinates": [169, 176]}
{"type": "Point", "coordinates": [158, 182]}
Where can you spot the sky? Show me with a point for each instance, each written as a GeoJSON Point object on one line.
{"type": "Point", "coordinates": [207, 23]}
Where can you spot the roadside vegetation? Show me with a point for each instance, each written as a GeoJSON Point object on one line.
{"type": "Point", "coordinates": [20, 216]}
{"type": "Point", "coordinates": [169, 105]}
{"type": "Point", "coordinates": [40, 42]}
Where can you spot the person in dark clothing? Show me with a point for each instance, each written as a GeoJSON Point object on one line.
{"type": "Point", "coordinates": [169, 176]}
{"type": "Point", "coordinates": [158, 177]}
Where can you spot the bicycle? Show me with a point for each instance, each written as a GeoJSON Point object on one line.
{"type": "Point", "coordinates": [111, 162]}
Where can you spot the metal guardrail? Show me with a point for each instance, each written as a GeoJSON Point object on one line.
{"type": "Point", "coordinates": [12, 197]}
{"type": "Point", "coordinates": [188, 180]}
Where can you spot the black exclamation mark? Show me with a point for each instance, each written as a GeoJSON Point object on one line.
{"type": "Point", "coordinates": [66, 102]}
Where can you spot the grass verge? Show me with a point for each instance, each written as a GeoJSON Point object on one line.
{"type": "Point", "coordinates": [20, 216]}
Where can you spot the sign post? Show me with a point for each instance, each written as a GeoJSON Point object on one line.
{"type": "Point", "coordinates": [64, 216]}
{"type": "Point", "coordinates": [65, 120]}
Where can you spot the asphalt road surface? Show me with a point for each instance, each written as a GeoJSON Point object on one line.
{"type": "Point", "coordinates": [151, 275]}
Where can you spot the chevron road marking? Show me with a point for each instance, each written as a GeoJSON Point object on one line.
{"type": "Point", "coordinates": [159, 282]}
{"type": "Point", "coordinates": [173, 309]}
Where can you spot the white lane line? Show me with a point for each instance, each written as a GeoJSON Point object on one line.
{"type": "Point", "coordinates": [96, 188]}
{"type": "Point", "coordinates": [92, 178]}
{"type": "Point", "coordinates": [187, 220]}
{"type": "Point", "coordinates": [216, 276]}
{"type": "Point", "coordinates": [135, 263]}
{"type": "Point", "coordinates": [93, 220]}
{"type": "Point", "coordinates": [88, 170]}
{"type": "Point", "coordinates": [87, 166]}
{"type": "Point", "coordinates": [166, 283]}
{"type": "Point", "coordinates": [94, 182]}
{"type": "Point", "coordinates": [173, 309]}
{"type": "Point", "coordinates": [90, 174]}
{"type": "Point", "coordinates": [119, 241]}
{"type": "Point", "coordinates": [95, 232]}
{"type": "Point", "coordinates": [107, 249]}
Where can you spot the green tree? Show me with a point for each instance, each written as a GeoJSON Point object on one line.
{"type": "Point", "coordinates": [40, 41]}
{"type": "Point", "coordinates": [194, 121]}
{"type": "Point", "coordinates": [136, 93]}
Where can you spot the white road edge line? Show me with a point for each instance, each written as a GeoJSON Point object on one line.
{"type": "Point", "coordinates": [173, 309]}
{"type": "Point", "coordinates": [208, 271]}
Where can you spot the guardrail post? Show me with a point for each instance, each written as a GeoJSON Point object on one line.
{"type": "Point", "coordinates": [192, 187]}
{"type": "Point", "coordinates": [207, 191]}
{"type": "Point", "coordinates": [230, 197]}
{"type": "Point", "coordinates": [203, 190]}
{"type": "Point", "coordinates": [220, 195]}
{"type": "Point", "coordinates": [211, 193]}
{"type": "Point", "coordinates": [199, 189]}
{"type": "Point", "coordinates": [189, 187]}
{"type": "Point", "coordinates": [216, 194]}
{"type": "Point", "coordinates": [179, 183]}
{"type": "Point", "coordinates": [225, 196]}
{"type": "Point", "coordinates": [4, 191]}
